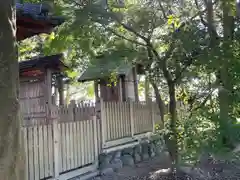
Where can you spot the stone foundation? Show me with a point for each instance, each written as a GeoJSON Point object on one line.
{"type": "Point", "coordinates": [112, 162]}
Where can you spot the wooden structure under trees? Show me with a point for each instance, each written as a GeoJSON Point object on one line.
{"type": "Point", "coordinates": [36, 75]}
{"type": "Point", "coordinates": [41, 80]}
{"type": "Point", "coordinates": [113, 80]}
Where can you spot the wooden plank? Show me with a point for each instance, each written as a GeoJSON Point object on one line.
{"type": "Point", "coordinates": [64, 147]}
{"type": "Point", "coordinates": [50, 150]}
{"type": "Point", "coordinates": [82, 142]}
{"type": "Point", "coordinates": [56, 140]}
{"type": "Point", "coordinates": [75, 144]}
{"type": "Point", "coordinates": [78, 143]}
{"type": "Point", "coordinates": [68, 147]}
{"type": "Point", "coordinates": [71, 145]}
{"type": "Point", "coordinates": [132, 120]}
{"type": "Point", "coordinates": [92, 145]}
{"type": "Point", "coordinates": [89, 142]}
{"type": "Point", "coordinates": [103, 119]}
{"type": "Point", "coordinates": [36, 152]}
{"type": "Point", "coordinates": [25, 135]}
{"type": "Point", "coordinates": [41, 152]}
{"type": "Point", "coordinates": [95, 136]}
{"type": "Point", "coordinates": [31, 159]}
{"type": "Point", "coordinates": [45, 146]}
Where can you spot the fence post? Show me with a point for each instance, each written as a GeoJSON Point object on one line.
{"type": "Point", "coordinates": [103, 123]}
{"type": "Point", "coordinates": [95, 131]}
{"type": "Point", "coordinates": [131, 116]}
{"type": "Point", "coordinates": [152, 115]}
{"type": "Point", "coordinates": [72, 110]}
{"type": "Point", "coordinates": [56, 138]}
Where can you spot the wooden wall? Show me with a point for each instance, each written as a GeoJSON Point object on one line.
{"type": "Point", "coordinates": [32, 99]}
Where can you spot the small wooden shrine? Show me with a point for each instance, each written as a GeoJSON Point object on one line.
{"type": "Point", "coordinates": [113, 81]}
{"type": "Point", "coordinates": [41, 80]}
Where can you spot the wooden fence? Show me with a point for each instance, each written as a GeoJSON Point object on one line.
{"type": "Point", "coordinates": [61, 149]}
{"type": "Point", "coordinates": [69, 142]}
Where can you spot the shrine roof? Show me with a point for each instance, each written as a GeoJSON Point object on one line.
{"type": "Point", "coordinates": [103, 67]}
{"type": "Point", "coordinates": [34, 19]}
{"type": "Point", "coordinates": [52, 62]}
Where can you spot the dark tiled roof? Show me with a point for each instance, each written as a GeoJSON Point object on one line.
{"type": "Point", "coordinates": [38, 12]}
{"type": "Point", "coordinates": [53, 61]}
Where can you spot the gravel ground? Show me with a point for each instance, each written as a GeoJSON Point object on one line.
{"type": "Point", "coordinates": [143, 171]}
{"type": "Point", "coordinates": [150, 170]}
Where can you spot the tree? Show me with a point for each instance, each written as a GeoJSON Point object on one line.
{"type": "Point", "coordinates": [10, 137]}
{"type": "Point", "coordinates": [175, 42]}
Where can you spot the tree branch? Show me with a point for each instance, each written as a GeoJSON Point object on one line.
{"type": "Point", "coordinates": [123, 37]}
{"type": "Point", "coordinates": [162, 9]}
{"type": "Point", "coordinates": [163, 61]}
{"type": "Point", "coordinates": [200, 15]}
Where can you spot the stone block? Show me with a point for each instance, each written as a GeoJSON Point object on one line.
{"type": "Point", "coordinates": [152, 150]}
{"type": "Point", "coordinates": [137, 158]}
{"type": "Point", "coordinates": [128, 151]}
{"type": "Point", "coordinates": [127, 160]}
{"type": "Point", "coordinates": [117, 155]}
{"type": "Point", "coordinates": [137, 149]}
{"type": "Point", "coordinates": [116, 164]}
{"type": "Point", "coordinates": [106, 171]}
{"type": "Point", "coordinates": [145, 156]}
{"type": "Point", "coordinates": [105, 158]}
{"type": "Point", "coordinates": [145, 147]}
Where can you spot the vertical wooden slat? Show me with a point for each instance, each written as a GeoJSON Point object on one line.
{"type": "Point", "coordinates": [35, 150]}
{"type": "Point", "coordinates": [68, 147]}
{"type": "Point", "coordinates": [108, 124]}
{"type": "Point", "coordinates": [78, 143]}
{"type": "Point", "coordinates": [64, 147]}
{"type": "Point", "coordinates": [92, 157]}
{"type": "Point", "coordinates": [88, 140]}
{"type": "Point", "coordinates": [82, 142]}
{"type": "Point", "coordinates": [56, 154]}
{"type": "Point", "coordinates": [31, 159]}
{"type": "Point", "coordinates": [60, 147]}
{"type": "Point", "coordinates": [103, 119]}
{"type": "Point", "coordinates": [46, 155]}
{"type": "Point", "coordinates": [50, 148]}
{"type": "Point", "coordinates": [95, 136]}
{"type": "Point", "coordinates": [132, 119]}
{"type": "Point", "coordinates": [71, 145]}
{"type": "Point", "coordinates": [75, 145]}
{"type": "Point", "coordinates": [41, 152]}
{"type": "Point", "coordinates": [26, 141]}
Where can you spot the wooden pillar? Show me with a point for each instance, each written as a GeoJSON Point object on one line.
{"type": "Point", "coordinates": [60, 90]}
{"type": "Point", "coordinates": [48, 82]}
{"type": "Point", "coordinates": [96, 86]}
{"type": "Point", "coordinates": [122, 87]}
{"type": "Point", "coordinates": [135, 84]}
{"type": "Point", "coordinates": [48, 93]}
{"type": "Point", "coordinates": [146, 89]}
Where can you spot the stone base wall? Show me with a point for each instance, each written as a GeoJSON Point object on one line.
{"type": "Point", "coordinates": [112, 162]}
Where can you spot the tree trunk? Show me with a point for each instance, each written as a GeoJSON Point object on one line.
{"type": "Point", "coordinates": [11, 154]}
{"type": "Point", "coordinates": [224, 93]}
{"type": "Point", "coordinates": [160, 103]}
{"type": "Point", "coordinates": [173, 120]}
